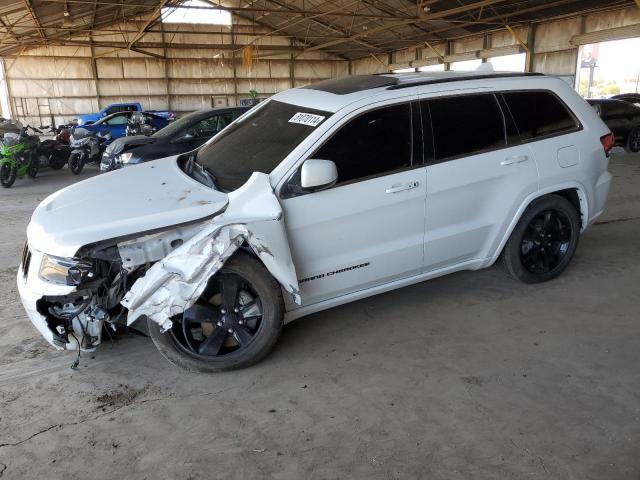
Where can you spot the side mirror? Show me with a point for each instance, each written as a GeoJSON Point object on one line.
{"type": "Point", "coordinates": [318, 174]}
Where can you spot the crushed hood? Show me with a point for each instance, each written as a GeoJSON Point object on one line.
{"type": "Point", "coordinates": [152, 196]}
{"type": "Point", "coordinates": [121, 144]}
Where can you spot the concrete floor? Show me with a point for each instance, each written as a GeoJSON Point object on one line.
{"type": "Point", "coordinates": [466, 376]}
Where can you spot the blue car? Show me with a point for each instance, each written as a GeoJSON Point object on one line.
{"type": "Point", "coordinates": [116, 123]}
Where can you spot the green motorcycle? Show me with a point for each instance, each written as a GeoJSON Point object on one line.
{"type": "Point", "coordinates": [19, 156]}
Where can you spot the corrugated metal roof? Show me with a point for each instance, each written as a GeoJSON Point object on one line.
{"type": "Point", "coordinates": [347, 28]}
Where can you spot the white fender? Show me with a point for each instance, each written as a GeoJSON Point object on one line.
{"type": "Point", "coordinates": [174, 283]}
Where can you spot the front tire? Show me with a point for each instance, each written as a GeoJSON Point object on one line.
{"type": "Point", "coordinates": [8, 175]}
{"type": "Point", "coordinates": [234, 324]}
{"type": "Point", "coordinates": [76, 164]}
{"type": "Point", "coordinates": [633, 141]}
{"type": "Point", "coordinates": [543, 242]}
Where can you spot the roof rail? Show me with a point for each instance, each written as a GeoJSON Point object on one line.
{"type": "Point", "coordinates": [431, 81]}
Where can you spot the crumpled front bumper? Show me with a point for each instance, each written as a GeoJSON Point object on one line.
{"type": "Point", "coordinates": [31, 289]}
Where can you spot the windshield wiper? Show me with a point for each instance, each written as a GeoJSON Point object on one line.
{"type": "Point", "coordinates": [201, 174]}
{"type": "Point", "coordinates": [210, 176]}
{"type": "Point", "coordinates": [188, 166]}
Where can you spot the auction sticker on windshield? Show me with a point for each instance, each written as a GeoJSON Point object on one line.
{"type": "Point", "coordinates": [308, 119]}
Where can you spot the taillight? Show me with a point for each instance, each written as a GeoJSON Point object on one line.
{"type": "Point", "coordinates": [607, 141]}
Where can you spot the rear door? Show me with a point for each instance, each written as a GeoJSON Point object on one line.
{"type": "Point", "coordinates": [478, 174]}
{"type": "Point", "coordinates": [547, 126]}
{"type": "Point", "coordinates": [368, 229]}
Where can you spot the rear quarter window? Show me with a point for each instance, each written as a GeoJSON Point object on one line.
{"type": "Point", "coordinates": [539, 114]}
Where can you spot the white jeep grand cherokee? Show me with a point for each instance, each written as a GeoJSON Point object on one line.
{"type": "Point", "coordinates": [319, 196]}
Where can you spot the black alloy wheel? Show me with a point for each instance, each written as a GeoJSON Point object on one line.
{"type": "Point", "coordinates": [545, 241]}
{"type": "Point", "coordinates": [225, 323]}
{"type": "Point", "coordinates": [234, 324]}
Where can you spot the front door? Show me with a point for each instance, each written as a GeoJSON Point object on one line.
{"type": "Point", "coordinates": [368, 229]}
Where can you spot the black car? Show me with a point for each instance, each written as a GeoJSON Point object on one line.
{"type": "Point", "coordinates": [623, 119]}
{"type": "Point", "coordinates": [183, 135]}
{"type": "Point", "coordinates": [628, 97]}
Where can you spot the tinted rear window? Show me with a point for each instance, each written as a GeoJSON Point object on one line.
{"type": "Point", "coordinates": [465, 125]}
{"type": "Point", "coordinates": [538, 114]}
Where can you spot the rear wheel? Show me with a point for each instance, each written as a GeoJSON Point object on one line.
{"type": "Point", "coordinates": [8, 175]}
{"type": "Point", "coordinates": [234, 324]}
{"type": "Point", "coordinates": [56, 163]}
{"type": "Point", "coordinates": [633, 142]}
{"type": "Point", "coordinates": [76, 164]}
{"type": "Point", "coordinates": [544, 240]}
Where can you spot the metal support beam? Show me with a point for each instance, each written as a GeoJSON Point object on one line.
{"type": "Point", "coordinates": [154, 15]}
{"type": "Point", "coordinates": [434, 16]}
{"type": "Point", "coordinates": [27, 4]}
{"type": "Point", "coordinates": [517, 38]}
{"type": "Point", "coordinates": [531, 41]}
{"type": "Point", "coordinates": [256, 9]}
{"type": "Point", "coordinates": [447, 52]}
{"type": "Point", "coordinates": [440, 57]}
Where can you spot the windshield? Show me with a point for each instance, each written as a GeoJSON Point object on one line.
{"type": "Point", "coordinates": [176, 126]}
{"type": "Point", "coordinates": [258, 142]}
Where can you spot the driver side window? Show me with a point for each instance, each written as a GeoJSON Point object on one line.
{"type": "Point", "coordinates": [375, 143]}
{"type": "Point", "coordinates": [117, 120]}
{"type": "Point", "coordinates": [208, 127]}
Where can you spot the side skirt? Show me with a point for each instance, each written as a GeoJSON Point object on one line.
{"type": "Point", "coordinates": [386, 287]}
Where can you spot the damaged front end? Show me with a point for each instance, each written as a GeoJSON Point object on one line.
{"type": "Point", "coordinates": [156, 275]}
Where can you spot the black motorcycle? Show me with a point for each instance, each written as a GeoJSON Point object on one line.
{"type": "Point", "coordinates": [55, 153]}
{"type": "Point", "coordinates": [86, 147]}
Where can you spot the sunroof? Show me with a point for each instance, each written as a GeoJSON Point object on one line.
{"type": "Point", "coordinates": [352, 84]}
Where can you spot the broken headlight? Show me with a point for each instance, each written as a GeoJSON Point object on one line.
{"type": "Point", "coordinates": [65, 271]}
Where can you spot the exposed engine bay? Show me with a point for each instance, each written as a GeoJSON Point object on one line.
{"type": "Point", "coordinates": [103, 276]}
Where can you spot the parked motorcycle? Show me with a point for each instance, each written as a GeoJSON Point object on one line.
{"type": "Point", "coordinates": [19, 155]}
{"type": "Point", "coordinates": [86, 147]}
{"type": "Point", "coordinates": [55, 153]}
{"type": "Point", "coordinates": [138, 124]}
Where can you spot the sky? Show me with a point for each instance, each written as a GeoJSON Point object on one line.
{"type": "Point", "coordinates": [618, 59]}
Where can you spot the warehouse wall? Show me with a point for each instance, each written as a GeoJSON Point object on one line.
{"type": "Point", "coordinates": [555, 44]}
{"type": "Point", "coordinates": [64, 81]}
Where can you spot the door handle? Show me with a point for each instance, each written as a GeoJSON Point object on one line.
{"type": "Point", "coordinates": [514, 159]}
{"type": "Point", "coordinates": [402, 188]}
